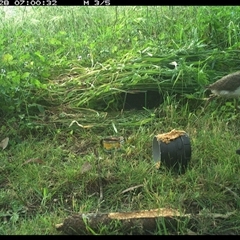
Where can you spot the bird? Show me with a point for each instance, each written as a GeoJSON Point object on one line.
{"type": "Point", "coordinates": [227, 87]}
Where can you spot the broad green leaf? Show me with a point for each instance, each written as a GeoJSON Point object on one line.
{"type": "Point", "coordinates": [7, 58]}
{"type": "Point", "coordinates": [42, 58]}
{"type": "Point", "coordinates": [25, 75]}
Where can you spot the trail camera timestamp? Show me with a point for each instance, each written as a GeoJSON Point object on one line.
{"type": "Point", "coordinates": [34, 2]}
{"type": "Point", "coordinates": [4, 3]}
{"type": "Point", "coordinates": [96, 2]}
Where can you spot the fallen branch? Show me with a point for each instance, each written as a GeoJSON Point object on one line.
{"type": "Point", "coordinates": [226, 188]}
{"type": "Point", "coordinates": [136, 222]}
{"type": "Point", "coordinates": [132, 188]}
{"type": "Point", "coordinates": [216, 215]}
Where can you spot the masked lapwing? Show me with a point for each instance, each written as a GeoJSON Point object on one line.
{"type": "Point", "coordinates": [228, 87]}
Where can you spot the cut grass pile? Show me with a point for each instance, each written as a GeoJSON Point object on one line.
{"type": "Point", "coordinates": [62, 70]}
{"type": "Point", "coordinates": [84, 57]}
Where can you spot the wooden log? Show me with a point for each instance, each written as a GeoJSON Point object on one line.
{"type": "Point", "coordinates": [137, 222]}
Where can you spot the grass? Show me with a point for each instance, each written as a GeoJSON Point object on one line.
{"type": "Point", "coordinates": [42, 194]}
{"type": "Point", "coordinates": [61, 80]}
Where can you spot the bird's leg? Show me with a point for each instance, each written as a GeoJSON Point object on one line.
{"type": "Point", "coordinates": [236, 101]}
{"type": "Point", "coordinates": [211, 97]}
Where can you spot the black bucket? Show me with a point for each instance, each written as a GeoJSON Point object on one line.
{"type": "Point", "coordinates": [173, 149]}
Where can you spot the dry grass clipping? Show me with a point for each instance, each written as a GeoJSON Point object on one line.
{"type": "Point", "coordinates": [167, 137]}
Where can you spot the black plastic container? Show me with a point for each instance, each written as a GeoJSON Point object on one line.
{"type": "Point", "coordinates": [175, 154]}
